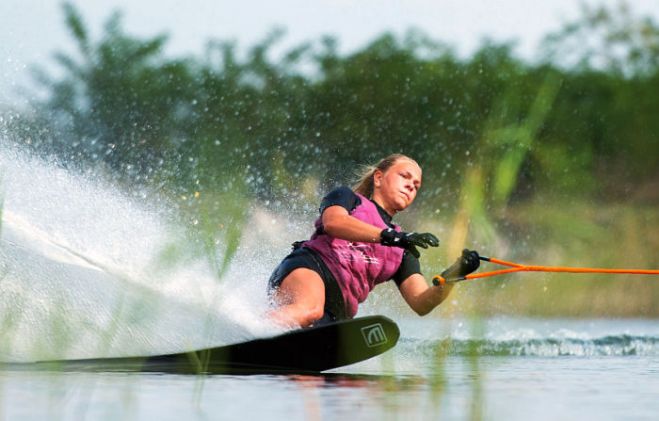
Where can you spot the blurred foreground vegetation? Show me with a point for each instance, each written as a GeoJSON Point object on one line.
{"type": "Point", "coordinates": [552, 162]}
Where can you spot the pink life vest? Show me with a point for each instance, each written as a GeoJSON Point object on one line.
{"type": "Point", "coordinates": [357, 267]}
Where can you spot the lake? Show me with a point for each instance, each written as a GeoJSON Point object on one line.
{"type": "Point", "coordinates": [498, 368]}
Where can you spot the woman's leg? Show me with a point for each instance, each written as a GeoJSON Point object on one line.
{"type": "Point", "coordinates": [300, 298]}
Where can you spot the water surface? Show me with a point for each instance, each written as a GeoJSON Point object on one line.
{"type": "Point", "coordinates": [504, 368]}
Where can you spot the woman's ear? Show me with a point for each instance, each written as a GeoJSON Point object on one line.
{"type": "Point", "coordinates": [377, 178]}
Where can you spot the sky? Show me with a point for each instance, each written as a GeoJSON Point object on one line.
{"type": "Point", "coordinates": [32, 30]}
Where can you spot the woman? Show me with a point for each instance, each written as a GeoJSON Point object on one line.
{"type": "Point", "coordinates": [355, 247]}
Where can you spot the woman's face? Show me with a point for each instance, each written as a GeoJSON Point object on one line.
{"type": "Point", "coordinates": [396, 188]}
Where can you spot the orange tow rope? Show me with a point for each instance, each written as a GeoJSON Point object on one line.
{"type": "Point", "coordinates": [516, 267]}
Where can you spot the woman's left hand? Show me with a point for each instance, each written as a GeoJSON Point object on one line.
{"type": "Point", "coordinates": [408, 240]}
{"type": "Point", "coordinates": [468, 262]}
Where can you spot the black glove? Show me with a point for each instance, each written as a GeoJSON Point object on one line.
{"type": "Point", "coordinates": [467, 263]}
{"type": "Point", "coordinates": [408, 240]}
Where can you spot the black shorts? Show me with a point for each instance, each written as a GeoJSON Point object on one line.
{"type": "Point", "coordinates": [302, 257]}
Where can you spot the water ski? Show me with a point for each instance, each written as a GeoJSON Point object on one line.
{"type": "Point", "coordinates": [309, 350]}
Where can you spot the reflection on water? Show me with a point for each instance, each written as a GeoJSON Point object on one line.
{"type": "Point", "coordinates": [374, 382]}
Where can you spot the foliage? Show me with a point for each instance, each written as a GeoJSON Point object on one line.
{"type": "Point", "coordinates": [611, 39]}
{"type": "Point", "coordinates": [194, 124]}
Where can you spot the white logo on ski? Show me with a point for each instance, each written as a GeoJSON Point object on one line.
{"type": "Point", "coordinates": [374, 335]}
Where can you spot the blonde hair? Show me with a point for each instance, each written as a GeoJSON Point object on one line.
{"type": "Point", "coordinates": [364, 185]}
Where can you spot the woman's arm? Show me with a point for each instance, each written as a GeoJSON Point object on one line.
{"type": "Point", "coordinates": [423, 297]}
{"type": "Point", "coordinates": [420, 296]}
{"type": "Point", "coordinates": [338, 223]}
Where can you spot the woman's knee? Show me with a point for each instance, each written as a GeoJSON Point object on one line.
{"type": "Point", "coordinates": [305, 316]}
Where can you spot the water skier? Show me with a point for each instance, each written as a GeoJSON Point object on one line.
{"type": "Point", "coordinates": [357, 246]}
